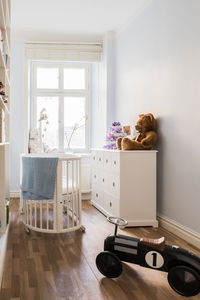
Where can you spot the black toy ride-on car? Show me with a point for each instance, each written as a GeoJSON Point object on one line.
{"type": "Point", "coordinates": [183, 267]}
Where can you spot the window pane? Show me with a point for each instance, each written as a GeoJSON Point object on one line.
{"type": "Point", "coordinates": [47, 78]}
{"type": "Point", "coordinates": [74, 79]}
{"type": "Point", "coordinates": [49, 126]}
{"type": "Point", "coordinates": [74, 122]}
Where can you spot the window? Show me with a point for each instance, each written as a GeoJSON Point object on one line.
{"type": "Point", "coordinates": [62, 91]}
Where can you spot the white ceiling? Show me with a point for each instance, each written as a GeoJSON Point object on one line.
{"type": "Point", "coordinates": [71, 20]}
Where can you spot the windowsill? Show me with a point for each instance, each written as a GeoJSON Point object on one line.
{"type": "Point", "coordinates": [82, 154]}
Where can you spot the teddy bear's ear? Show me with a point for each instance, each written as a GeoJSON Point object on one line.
{"type": "Point", "coordinates": [141, 115]}
{"type": "Point", "coordinates": [153, 121]}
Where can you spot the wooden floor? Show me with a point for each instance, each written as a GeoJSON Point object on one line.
{"type": "Point", "coordinates": [59, 267]}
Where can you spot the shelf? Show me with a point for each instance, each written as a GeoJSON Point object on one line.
{"type": "Point", "coordinates": [7, 77]}
{"type": "Point", "coordinates": [7, 43]}
{"type": "Point", "coordinates": [7, 17]}
{"type": "Point", "coordinates": [4, 106]}
{"type": "Point", "coordinates": [2, 16]}
{"type": "Point", "coordinates": [4, 25]}
{"type": "Point", "coordinates": [2, 61]}
{"type": "Point", "coordinates": [3, 65]}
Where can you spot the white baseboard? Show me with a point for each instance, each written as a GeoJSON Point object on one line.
{"type": "Point", "coordinates": [86, 195]}
{"type": "Point", "coordinates": [181, 231]}
{"type": "Point", "coordinates": [14, 194]}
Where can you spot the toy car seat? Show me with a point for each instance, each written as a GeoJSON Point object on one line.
{"type": "Point", "coordinates": [158, 244]}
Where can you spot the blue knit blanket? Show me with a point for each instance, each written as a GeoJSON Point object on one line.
{"type": "Point", "coordinates": [39, 177]}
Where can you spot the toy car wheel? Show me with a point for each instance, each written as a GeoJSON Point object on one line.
{"type": "Point", "coordinates": [184, 280]}
{"type": "Point", "coordinates": [109, 264]}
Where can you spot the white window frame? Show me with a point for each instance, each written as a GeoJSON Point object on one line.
{"type": "Point", "coordinates": [60, 93]}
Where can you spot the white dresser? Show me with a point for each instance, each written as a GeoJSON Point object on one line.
{"type": "Point", "coordinates": [124, 185]}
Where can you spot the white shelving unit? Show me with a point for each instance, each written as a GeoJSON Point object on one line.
{"type": "Point", "coordinates": [4, 125]}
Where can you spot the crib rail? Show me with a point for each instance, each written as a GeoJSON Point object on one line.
{"type": "Point", "coordinates": [63, 212]}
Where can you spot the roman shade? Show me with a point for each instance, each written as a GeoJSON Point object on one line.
{"type": "Point", "coordinates": [87, 52]}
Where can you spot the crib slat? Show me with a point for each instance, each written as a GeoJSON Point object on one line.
{"type": "Point", "coordinates": [58, 199]}
{"type": "Point", "coordinates": [31, 216]}
{"type": "Point", "coordinates": [29, 213]}
{"type": "Point", "coordinates": [67, 195]}
{"type": "Point", "coordinates": [26, 206]}
{"type": "Point", "coordinates": [35, 214]}
{"type": "Point", "coordinates": [77, 189]}
{"type": "Point", "coordinates": [47, 216]}
{"type": "Point", "coordinates": [79, 198]}
{"type": "Point", "coordinates": [72, 193]}
{"type": "Point", "coordinates": [54, 214]}
{"type": "Point", "coordinates": [40, 214]}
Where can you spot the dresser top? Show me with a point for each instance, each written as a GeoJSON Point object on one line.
{"type": "Point", "coordinates": [121, 151]}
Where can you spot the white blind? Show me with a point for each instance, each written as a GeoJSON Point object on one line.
{"type": "Point", "coordinates": [67, 51]}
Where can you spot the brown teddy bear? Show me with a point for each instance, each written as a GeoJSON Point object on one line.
{"type": "Point", "coordinates": [146, 138]}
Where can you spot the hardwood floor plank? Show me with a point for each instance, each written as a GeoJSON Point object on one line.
{"type": "Point", "coordinates": [15, 286]}
{"type": "Point", "coordinates": [32, 278]}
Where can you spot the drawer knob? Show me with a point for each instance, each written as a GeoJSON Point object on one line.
{"type": "Point", "coordinates": [106, 161]}
{"type": "Point", "coordinates": [113, 184]}
{"type": "Point", "coordinates": [103, 180]}
{"type": "Point", "coordinates": [93, 157]}
{"type": "Point", "coordinates": [110, 204]}
{"type": "Point", "coordinates": [100, 159]}
{"type": "Point", "coordinates": [97, 195]}
{"type": "Point", "coordinates": [115, 162]}
{"type": "Point", "coordinates": [95, 176]}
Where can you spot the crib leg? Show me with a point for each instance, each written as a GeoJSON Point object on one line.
{"type": "Point", "coordinates": [82, 228]}
{"type": "Point", "coordinates": [27, 230]}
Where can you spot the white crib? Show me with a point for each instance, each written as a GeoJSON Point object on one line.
{"type": "Point", "coordinates": [63, 213]}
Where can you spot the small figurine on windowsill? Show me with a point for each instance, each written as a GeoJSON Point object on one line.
{"type": "Point", "coordinates": [42, 131]}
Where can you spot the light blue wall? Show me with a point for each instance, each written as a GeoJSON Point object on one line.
{"type": "Point", "coordinates": [158, 71]}
{"type": "Point", "coordinates": [103, 93]}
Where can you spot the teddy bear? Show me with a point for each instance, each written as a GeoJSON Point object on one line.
{"type": "Point", "coordinates": [146, 137]}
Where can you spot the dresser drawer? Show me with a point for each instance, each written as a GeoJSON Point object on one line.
{"type": "Point", "coordinates": [94, 158]}
{"type": "Point", "coordinates": [95, 176]}
{"type": "Point", "coordinates": [115, 162]}
{"type": "Point", "coordinates": [111, 204]}
{"type": "Point", "coordinates": [107, 160]}
{"type": "Point", "coordinates": [97, 195]}
{"type": "Point", "coordinates": [102, 180]}
{"type": "Point", "coordinates": [113, 185]}
{"type": "Point", "coordinates": [99, 156]}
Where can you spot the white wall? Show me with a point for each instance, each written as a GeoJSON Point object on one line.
{"type": "Point", "coordinates": [158, 71]}
{"type": "Point", "coordinates": [16, 112]}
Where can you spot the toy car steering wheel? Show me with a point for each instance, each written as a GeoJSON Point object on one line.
{"type": "Point", "coordinates": [117, 222]}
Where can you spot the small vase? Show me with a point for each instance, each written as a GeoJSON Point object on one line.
{"type": "Point", "coordinates": [69, 150]}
